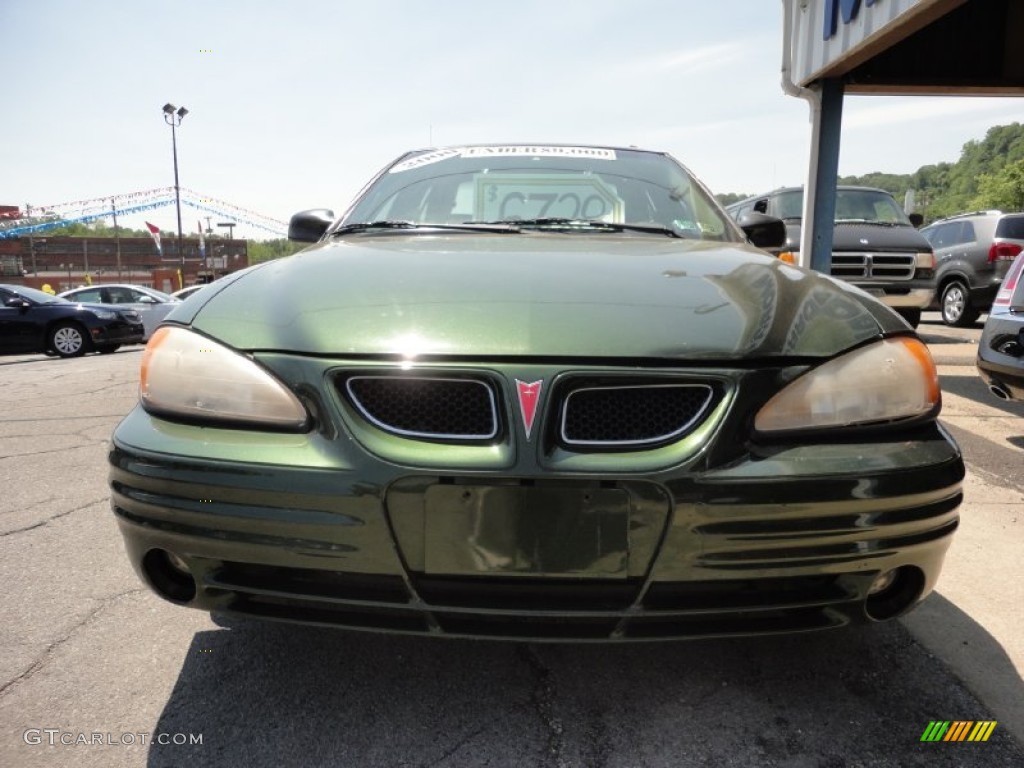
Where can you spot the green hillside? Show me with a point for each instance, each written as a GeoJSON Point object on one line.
{"type": "Point", "coordinates": [989, 174]}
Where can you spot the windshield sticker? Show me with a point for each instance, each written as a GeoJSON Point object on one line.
{"type": "Point", "coordinates": [518, 196]}
{"type": "Point", "coordinates": [436, 156]}
{"type": "Point", "coordinates": [424, 159]}
{"type": "Point", "coordinates": [592, 153]}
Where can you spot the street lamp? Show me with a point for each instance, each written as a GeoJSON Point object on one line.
{"type": "Point", "coordinates": [173, 116]}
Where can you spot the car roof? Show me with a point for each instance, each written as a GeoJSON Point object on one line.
{"type": "Point", "coordinates": [969, 214]}
{"type": "Point", "coordinates": [134, 287]}
{"type": "Point", "coordinates": [800, 188]}
{"type": "Point", "coordinates": [114, 285]}
{"type": "Point", "coordinates": [539, 144]}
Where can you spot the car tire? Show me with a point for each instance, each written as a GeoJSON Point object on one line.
{"type": "Point", "coordinates": [67, 340]}
{"type": "Point", "coordinates": [107, 349]}
{"type": "Point", "coordinates": [955, 305]}
{"type": "Point", "coordinates": [912, 316]}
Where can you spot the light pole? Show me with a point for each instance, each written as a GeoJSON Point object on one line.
{"type": "Point", "coordinates": [173, 116]}
{"type": "Point", "coordinates": [231, 236]}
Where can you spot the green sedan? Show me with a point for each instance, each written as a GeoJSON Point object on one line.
{"type": "Point", "coordinates": [537, 392]}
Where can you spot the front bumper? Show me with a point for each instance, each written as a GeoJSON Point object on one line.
{"type": "Point", "coordinates": [1001, 355]}
{"type": "Point", "coordinates": [785, 540]}
{"type": "Point", "coordinates": [118, 333]}
{"type": "Point", "coordinates": [901, 296]}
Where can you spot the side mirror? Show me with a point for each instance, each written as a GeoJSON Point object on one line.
{"type": "Point", "coordinates": [16, 302]}
{"type": "Point", "coordinates": [916, 219]}
{"type": "Point", "coordinates": [147, 300]}
{"type": "Point", "coordinates": [763, 230]}
{"type": "Point", "coordinates": [309, 226]}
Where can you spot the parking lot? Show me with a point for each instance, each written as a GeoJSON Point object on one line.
{"type": "Point", "coordinates": [99, 671]}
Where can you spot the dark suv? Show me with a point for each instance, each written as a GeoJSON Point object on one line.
{"type": "Point", "coordinates": [874, 245]}
{"type": "Point", "coordinates": [973, 252]}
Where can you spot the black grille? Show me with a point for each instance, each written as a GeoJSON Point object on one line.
{"type": "Point", "coordinates": [878, 266]}
{"type": "Point", "coordinates": [633, 415]}
{"type": "Point", "coordinates": [426, 407]}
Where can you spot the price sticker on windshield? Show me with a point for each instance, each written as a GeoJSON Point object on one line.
{"type": "Point", "coordinates": [520, 196]}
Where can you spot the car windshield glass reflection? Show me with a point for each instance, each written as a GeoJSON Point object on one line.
{"type": "Point", "coordinates": [565, 188]}
{"type": "Point", "coordinates": [41, 297]}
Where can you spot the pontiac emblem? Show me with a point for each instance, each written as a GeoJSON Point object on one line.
{"type": "Point", "coordinates": [529, 394]}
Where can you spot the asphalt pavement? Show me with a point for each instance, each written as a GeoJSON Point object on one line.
{"type": "Point", "coordinates": [91, 652]}
{"type": "Point", "coordinates": [980, 639]}
{"type": "Point", "coordinates": [949, 346]}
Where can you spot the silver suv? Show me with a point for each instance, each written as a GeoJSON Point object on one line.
{"type": "Point", "coordinates": [973, 252]}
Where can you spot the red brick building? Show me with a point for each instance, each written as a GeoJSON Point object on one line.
{"type": "Point", "coordinates": [67, 262]}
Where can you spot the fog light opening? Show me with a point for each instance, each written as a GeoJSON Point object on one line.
{"type": "Point", "coordinates": [894, 592]}
{"type": "Point", "coordinates": [169, 575]}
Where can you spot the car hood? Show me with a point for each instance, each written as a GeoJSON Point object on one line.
{"type": "Point", "coordinates": [860, 236]}
{"type": "Point", "coordinates": [537, 295]}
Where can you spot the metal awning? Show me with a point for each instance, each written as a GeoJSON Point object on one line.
{"type": "Point", "coordinates": [948, 47]}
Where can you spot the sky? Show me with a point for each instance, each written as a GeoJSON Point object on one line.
{"type": "Point", "coordinates": [295, 105]}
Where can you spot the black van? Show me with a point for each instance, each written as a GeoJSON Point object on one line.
{"type": "Point", "coordinates": [874, 245]}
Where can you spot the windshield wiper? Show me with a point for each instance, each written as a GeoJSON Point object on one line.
{"type": "Point", "coordinates": [364, 226]}
{"type": "Point", "coordinates": [873, 222]}
{"type": "Point", "coordinates": [566, 223]}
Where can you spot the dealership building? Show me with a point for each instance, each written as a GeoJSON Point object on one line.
{"type": "Point", "coordinates": [888, 47]}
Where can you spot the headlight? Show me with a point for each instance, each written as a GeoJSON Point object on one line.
{"type": "Point", "coordinates": [186, 374]}
{"type": "Point", "coordinates": [892, 380]}
{"type": "Point", "coordinates": [104, 314]}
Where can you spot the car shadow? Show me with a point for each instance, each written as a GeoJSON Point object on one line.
{"type": "Point", "coordinates": [22, 359]}
{"type": "Point", "coordinates": [973, 655]}
{"type": "Point", "coordinates": [971, 386]}
{"type": "Point", "coordinates": [273, 694]}
{"type": "Point", "coordinates": [943, 334]}
{"type": "Point", "coordinates": [935, 321]}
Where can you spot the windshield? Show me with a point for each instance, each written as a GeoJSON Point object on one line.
{"type": "Point", "coordinates": [160, 295]}
{"type": "Point", "coordinates": [40, 297]}
{"type": "Point", "coordinates": [543, 186]}
{"type": "Point", "coordinates": [870, 205]}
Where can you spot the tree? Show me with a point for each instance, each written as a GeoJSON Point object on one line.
{"type": "Point", "coordinates": [266, 250]}
{"type": "Point", "coordinates": [944, 189]}
{"type": "Point", "coordinates": [92, 229]}
{"type": "Point", "coordinates": [1003, 190]}
{"type": "Point", "coordinates": [728, 198]}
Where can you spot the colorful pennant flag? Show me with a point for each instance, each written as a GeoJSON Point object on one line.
{"type": "Point", "coordinates": [154, 230]}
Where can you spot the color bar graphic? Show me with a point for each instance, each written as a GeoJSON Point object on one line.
{"type": "Point", "coordinates": [959, 730]}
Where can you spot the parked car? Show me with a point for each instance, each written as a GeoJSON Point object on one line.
{"type": "Point", "coordinates": [151, 304]}
{"type": "Point", "coordinates": [537, 392]}
{"type": "Point", "coordinates": [35, 321]}
{"type": "Point", "coordinates": [1001, 348]}
{"type": "Point", "coordinates": [973, 252]}
{"type": "Point", "coordinates": [874, 245]}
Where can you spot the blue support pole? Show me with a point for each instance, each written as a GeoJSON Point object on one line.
{"type": "Point", "coordinates": [829, 128]}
